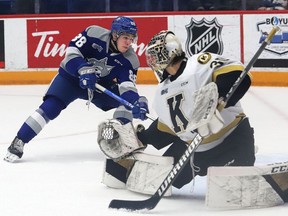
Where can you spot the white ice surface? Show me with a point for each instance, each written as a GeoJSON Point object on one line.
{"type": "Point", "coordinates": [60, 172]}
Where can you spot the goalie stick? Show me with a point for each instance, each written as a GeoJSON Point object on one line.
{"type": "Point", "coordinates": [150, 203]}
{"type": "Point", "coordinates": [223, 101]}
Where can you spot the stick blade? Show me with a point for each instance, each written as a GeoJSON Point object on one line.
{"type": "Point", "coordinates": [135, 205]}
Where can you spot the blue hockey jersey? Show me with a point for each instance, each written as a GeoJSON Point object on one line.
{"type": "Point", "coordinates": [91, 47]}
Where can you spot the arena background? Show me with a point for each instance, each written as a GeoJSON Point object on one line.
{"type": "Point", "coordinates": [32, 46]}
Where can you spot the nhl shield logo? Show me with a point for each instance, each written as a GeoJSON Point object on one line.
{"type": "Point", "coordinates": [204, 36]}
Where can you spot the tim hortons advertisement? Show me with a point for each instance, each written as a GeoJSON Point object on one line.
{"type": "Point", "coordinates": [48, 38]}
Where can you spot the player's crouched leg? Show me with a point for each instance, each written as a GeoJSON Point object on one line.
{"type": "Point", "coordinates": [150, 170]}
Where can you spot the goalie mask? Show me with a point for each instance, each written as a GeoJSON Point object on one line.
{"type": "Point", "coordinates": [161, 50]}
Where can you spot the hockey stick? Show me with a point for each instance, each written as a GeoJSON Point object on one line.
{"type": "Point", "coordinates": [119, 99]}
{"type": "Point", "coordinates": [151, 202]}
{"type": "Point", "coordinates": [223, 101]}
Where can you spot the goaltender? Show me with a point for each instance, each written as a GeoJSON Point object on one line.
{"type": "Point", "coordinates": [180, 101]}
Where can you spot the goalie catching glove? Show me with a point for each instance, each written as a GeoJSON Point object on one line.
{"type": "Point", "coordinates": [117, 141]}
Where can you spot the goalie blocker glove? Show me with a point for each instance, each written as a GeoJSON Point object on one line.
{"type": "Point", "coordinates": [213, 126]}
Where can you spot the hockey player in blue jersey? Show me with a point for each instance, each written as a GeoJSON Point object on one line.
{"type": "Point", "coordinates": [96, 55]}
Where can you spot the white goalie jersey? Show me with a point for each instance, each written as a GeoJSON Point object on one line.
{"type": "Point", "coordinates": [177, 94]}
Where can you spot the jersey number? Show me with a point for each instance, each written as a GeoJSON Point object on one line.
{"type": "Point", "coordinates": [178, 118]}
{"type": "Point", "coordinates": [79, 40]}
{"type": "Point", "coordinates": [132, 76]}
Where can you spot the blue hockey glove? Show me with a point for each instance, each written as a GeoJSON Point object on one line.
{"type": "Point", "coordinates": [88, 77]}
{"type": "Point", "coordinates": [140, 108]}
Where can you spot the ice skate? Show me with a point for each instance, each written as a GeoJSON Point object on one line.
{"type": "Point", "coordinates": [15, 150]}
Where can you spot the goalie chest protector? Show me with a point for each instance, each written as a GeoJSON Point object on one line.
{"type": "Point", "coordinates": [177, 95]}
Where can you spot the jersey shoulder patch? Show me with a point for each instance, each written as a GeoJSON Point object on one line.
{"type": "Point", "coordinates": [204, 58]}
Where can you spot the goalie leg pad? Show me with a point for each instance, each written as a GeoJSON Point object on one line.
{"type": "Point", "coordinates": [115, 173]}
{"type": "Point", "coordinates": [148, 172]}
{"type": "Point", "coordinates": [247, 187]}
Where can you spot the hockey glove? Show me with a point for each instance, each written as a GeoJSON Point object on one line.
{"type": "Point", "coordinates": [89, 75]}
{"type": "Point", "coordinates": [116, 140]}
{"type": "Point", "coordinates": [140, 108]}
{"type": "Point", "coordinates": [213, 126]}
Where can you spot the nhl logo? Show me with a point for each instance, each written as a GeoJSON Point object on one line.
{"type": "Point", "coordinates": [204, 36]}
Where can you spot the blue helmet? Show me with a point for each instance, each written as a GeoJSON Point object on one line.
{"type": "Point", "coordinates": [123, 24]}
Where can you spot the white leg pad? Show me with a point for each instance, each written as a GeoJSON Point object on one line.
{"type": "Point", "coordinates": [148, 173]}
{"type": "Point", "coordinates": [247, 187]}
{"type": "Point", "coordinates": [112, 182]}
{"type": "Point", "coordinates": [115, 173]}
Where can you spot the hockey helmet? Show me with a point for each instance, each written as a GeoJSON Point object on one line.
{"type": "Point", "coordinates": [161, 50]}
{"type": "Point", "coordinates": [122, 24]}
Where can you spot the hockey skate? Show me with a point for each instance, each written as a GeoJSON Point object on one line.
{"type": "Point", "coordinates": [15, 150]}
